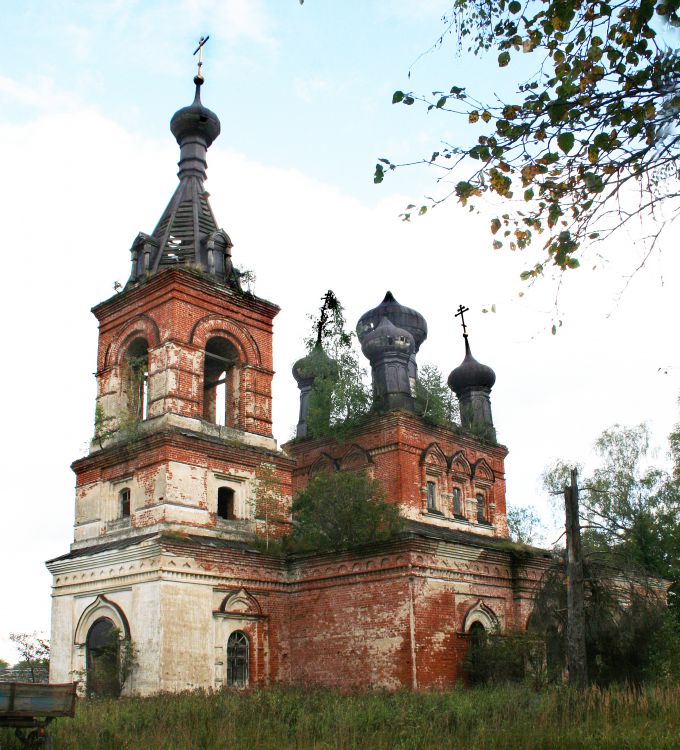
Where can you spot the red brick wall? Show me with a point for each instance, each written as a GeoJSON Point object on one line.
{"type": "Point", "coordinates": [183, 310]}
{"type": "Point", "coordinates": [396, 447]}
{"type": "Point", "coordinates": [351, 620]}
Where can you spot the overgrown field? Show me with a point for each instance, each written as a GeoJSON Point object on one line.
{"type": "Point", "coordinates": [484, 718]}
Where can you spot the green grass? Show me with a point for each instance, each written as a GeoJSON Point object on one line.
{"type": "Point", "coordinates": [280, 718]}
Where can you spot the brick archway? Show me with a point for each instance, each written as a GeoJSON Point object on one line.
{"type": "Point", "coordinates": [140, 327]}
{"type": "Point", "coordinates": [216, 325]}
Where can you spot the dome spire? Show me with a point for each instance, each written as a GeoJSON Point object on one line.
{"type": "Point", "coordinates": [472, 382]}
{"type": "Point", "coordinates": [187, 233]}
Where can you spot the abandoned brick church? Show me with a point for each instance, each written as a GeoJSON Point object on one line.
{"type": "Point", "coordinates": [164, 513]}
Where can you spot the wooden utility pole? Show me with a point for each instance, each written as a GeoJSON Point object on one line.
{"type": "Point", "coordinates": [576, 619]}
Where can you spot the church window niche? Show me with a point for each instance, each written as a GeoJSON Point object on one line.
{"type": "Point", "coordinates": [432, 496]}
{"type": "Point", "coordinates": [237, 660]}
{"type": "Point", "coordinates": [220, 382]}
{"type": "Point", "coordinates": [137, 379]}
{"type": "Point", "coordinates": [457, 502]}
{"type": "Point", "coordinates": [103, 657]}
{"type": "Point", "coordinates": [124, 502]}
{"type": "Point", "coordinates": [225, 503]}
{"type": "Point", "coordinates": [481, 508]}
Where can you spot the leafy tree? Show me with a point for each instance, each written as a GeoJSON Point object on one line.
{"type": "Point", "coordinates": [629, 508]}
{"type": "Point", "coordinates": [34, 651]}
{"type": "Point", "coordinates": [340, 395]}
{"type": "Point", "coordinates": [629, 634]}
{"type": "Point", "coordinates": [340, 510]}
{"type": "Point", "coordinates": [434, 400]}
{"type": "Point", "coordinates": [525, 525]}
{"type": "Point", "coordinates": [590, 140]}
{"type": "Point", "coordinates": [3, 664]}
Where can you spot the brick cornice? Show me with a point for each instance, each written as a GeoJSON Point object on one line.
{"type": "Point", "coordinates": [181, 279]}
{"type": "Point", "coordinates": [122, 454]}
{"type": "Point", "coordinates": [400, 421]}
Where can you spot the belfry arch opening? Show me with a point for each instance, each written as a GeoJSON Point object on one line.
{"type": "Point", "coordinates": [220, 382]}
{"type": "Point", "coordinates": [136, 378]}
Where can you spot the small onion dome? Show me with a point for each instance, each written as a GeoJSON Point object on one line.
{"type": "Point", "coordinates": [386, 338]}
{"type": "Point", "coordinates": [401, 316]}
{"type": "Point", "coordinates": [471, 374]}
{"type": "Point", "coordinates": [315, 365]}
{"type": "Point", "coordinates": [195, 120]}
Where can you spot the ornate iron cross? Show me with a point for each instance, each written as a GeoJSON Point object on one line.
{"type": "Point", "coordinates": [461, 313]}
{"type": "Point", "coordinates": [199, 51]}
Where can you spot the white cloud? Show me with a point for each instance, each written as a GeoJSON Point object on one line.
{"type": "Point", "coordinates": [79, 39]}
{"type": "Point", "coordinates": [36, 92]}
{"type": "Point", "coordinates": [233, 19]}
{"type": "Point", "coordinates": [309, 88]}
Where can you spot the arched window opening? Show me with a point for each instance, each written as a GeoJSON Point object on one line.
{"type": "Point", "coordinates": [237, 659]}
{"type": "Point", "coordinates": [225, 503]}
{"type": "Point", "coordinates": [481, 511]}
{"type": "Point", "coordinates": [124, 497]}
{"type": "Point", "coordinates": [457, 502]}
{"type": "Point", "coordinates": [103, 659]}
{"type": "Point", "coordinates": [137, 377]}
{"type": "Point", "coordinates": [219, 381]}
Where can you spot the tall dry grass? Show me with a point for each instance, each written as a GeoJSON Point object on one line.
{"type": "Point", "coordinates": [283, 718]}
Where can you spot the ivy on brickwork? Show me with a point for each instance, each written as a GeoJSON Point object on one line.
{"type": "Point", "coordinates": [122, 424]}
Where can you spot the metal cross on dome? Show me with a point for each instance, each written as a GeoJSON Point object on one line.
{"type": "Point", "coordinates": [199, 51]}
{"type": "Point", "coordinates": [461, 312]}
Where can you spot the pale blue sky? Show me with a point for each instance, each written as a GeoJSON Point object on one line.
{"type": "Point", "coordinates": [304, 93]}
{"type": "Point", "coordinates": [305, 86]}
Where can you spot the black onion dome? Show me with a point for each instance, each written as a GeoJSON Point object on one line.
{"type": "Point", "coordinates": [195, 120]}
{"type": "Point", "coordinates": [471, 374]}
{"type": "Point", "coordinates": [386, 338]}
{"type": "Point", "coordinates": [400, 315]}
{"type": "Point", "coordinates": [316, 364]}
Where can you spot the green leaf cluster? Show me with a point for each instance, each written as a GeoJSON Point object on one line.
{"type": "Point", "coordinates": [631, 637]}
{"type": "Point", "coordinates": [341, 510]}
{"type": "Point", "coordinates": [340, 395]}
{"type": "Point", "coordinates": [629, 507]}
{"type": "Point", "coordinates": [434, 400]}
{"type": "Point", "coordinates": [591, 138]}
{"type": "Point", "coordinates": [525, 525]}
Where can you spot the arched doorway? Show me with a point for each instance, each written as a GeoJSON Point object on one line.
{"type": "Point", "coordinates": [237, 660]}
{"type": "Point", "coordinates": [475, 658]}
{"type": "Point", "coordinates": [103, 658]}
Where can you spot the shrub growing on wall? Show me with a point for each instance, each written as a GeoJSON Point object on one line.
{"type": "Point", "coordinates": [340, 510]}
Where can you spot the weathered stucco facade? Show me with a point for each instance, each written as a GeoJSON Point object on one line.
{"type": "Point", "coordinates": [169, 498]}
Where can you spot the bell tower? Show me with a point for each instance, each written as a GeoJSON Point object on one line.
{"type": "Point", "coordinates": [183, 416]}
